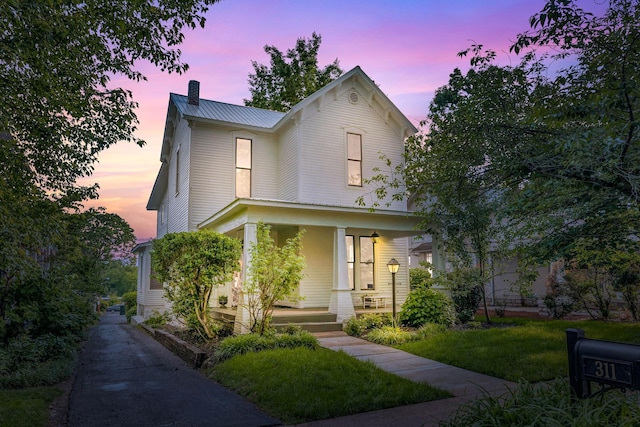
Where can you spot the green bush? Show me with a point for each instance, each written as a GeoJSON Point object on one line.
{"type": "Point", "coordinates": [425, 305]}
{"type": "Point", "coordinates": [249, 343]}
{"type": "Point", "coordinates": [130, 300]}
{"type": "Point", "coordinates": [388, 335]}
{"type": "Point", "coordinates": [358, 326]}
{"type": "Point", "coordinates": [466, 292]}
{"type": "Point", "coordinates": [429, 330]}
{"type": "Point", "coordinates": [419, 278]}
{"type": "Point", "coordinates": [45, 360]}
{"type": "Point", "coordinates": [550, 404]}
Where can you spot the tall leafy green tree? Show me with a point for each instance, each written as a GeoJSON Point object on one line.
{"type": "Point", "coordinates": [291, 77]}
{"type": "Point", "coordinates": [274, 275]}
{"type": "Point", "coordinates": [191, 264]}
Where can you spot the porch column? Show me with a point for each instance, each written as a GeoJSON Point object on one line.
{"type": "Point", "coordinates": [341, 303]}
{"type": "Point", "coordinates": [243, 320]}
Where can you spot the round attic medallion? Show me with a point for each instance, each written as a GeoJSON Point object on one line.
{"type": "Point", "coordinates": [354, 97]}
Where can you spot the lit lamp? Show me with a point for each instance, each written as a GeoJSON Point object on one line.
{"type": "Point", "coordinates": [375, 237]}
{"type": "Point", "coordinates": [393, 265]}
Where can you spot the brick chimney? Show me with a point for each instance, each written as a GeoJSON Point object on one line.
{"type": "Point", "coordinates": [194, 92]}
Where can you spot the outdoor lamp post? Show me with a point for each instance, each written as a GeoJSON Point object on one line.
{"type": "Point", "coordinates": [393, 266]}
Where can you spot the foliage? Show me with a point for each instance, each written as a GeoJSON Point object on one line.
{"type": "Point", "coordinates": [191, 264]}
{"type": "Point", "coordinates": [120, 277]}
{"type": "Point", "coordinates": [250, 343]}
{"type": "Point", "coordinates": [59, 111]}
{"type": "Point", "coordinates": [130, 300]}
{"type": "Point", "coordinates": [274, 275]}
{"type": "Point", "coordinates": [360, 325]}
{"type": "Point", "coordinates": [291, 77]}
{"type": "Point", "coordinates": [429, 330]}
{"type": "Point", "coordinates": [26, 407]}
{"type": "Point", "coordinates": [80, 47]}
{"type": "Point", "coordinates": [340, 384]}
{"type": "Point", "coordinates": [424, 305]}
{"type": "Point", "coordinates": [467, 290]}
{"type": "Point", "coordinates": [389, 335]}
{"type": "Point", "coordinates": [45, 360]}
{"type": "Point", "coordinates": [157, 319]}
{"type": "Point", "coordinates": [549, 404]}
{"type": "Point", "coordinates": [419, 277]}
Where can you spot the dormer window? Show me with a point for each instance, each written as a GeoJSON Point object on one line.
{"type": "Point", "coordinates": [354, 159]}
{"type": "Point", "coordinates": [243, 168]}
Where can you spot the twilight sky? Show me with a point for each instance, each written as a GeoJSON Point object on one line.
{"type": "Point", "coordinates": [408, 47]}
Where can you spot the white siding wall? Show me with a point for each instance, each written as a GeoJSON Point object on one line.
{"type": "Point", "coordinates": [322, 139]}
{"type": "Point", "coordinates": [385, 250]}
{"type": "Point", "coordinates": [177, 204]}
{"type": "Point", "coordinates": [149, 300]}
{"type": "Point", "coordinates": [317, 247]}
{"type": "Point", "coordinates": [213, 169]}
{"type": "Point", "coordinates": [212, 172]}
{"type": "Point", "coordinates": [288, 165]}
{"type": "Point", "coordinates": [264, 167]}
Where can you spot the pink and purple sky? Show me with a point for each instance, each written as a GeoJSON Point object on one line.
{"type": "Point", "coordinates": [408, 47]}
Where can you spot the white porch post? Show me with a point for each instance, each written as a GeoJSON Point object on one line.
{"type": "Point", "coordinates": [242, 322]}
{"type": "Point", "coordinates": [341, 303]}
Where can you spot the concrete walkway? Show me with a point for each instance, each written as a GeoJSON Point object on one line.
{"type": "Point", "coordinates": [463, 384]}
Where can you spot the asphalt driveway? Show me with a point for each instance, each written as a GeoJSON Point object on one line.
{"type": "Point", "coordinates": [126, 378]}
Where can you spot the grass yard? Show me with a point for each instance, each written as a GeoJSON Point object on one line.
{"type": "Point", "coordinates": [533, 350]}
{"type": "Point", "coordinates": [27, 407]}
{"type": "Point", "coordinates": [298, 385]}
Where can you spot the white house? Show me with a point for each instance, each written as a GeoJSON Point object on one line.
{"type": "Point", "coordinates": [227, 167]}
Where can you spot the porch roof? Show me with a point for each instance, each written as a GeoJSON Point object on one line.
{"type": "Point", "coordinates": [280, 212]}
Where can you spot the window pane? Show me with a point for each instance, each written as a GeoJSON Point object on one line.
{"type": "Point", "coordinates": [354, 173]}
{"type": "Point", "coordinates": [243, 183]}
{"type": "Point", "coordinates": [243, 153]}
{"type": "Point", "coordinates": [366, 263]}
{"type": "Point", "coordinates": [351, 277]}
{"type": "Point", "coordinates": [354, 148]}
{"type": "Point", "coordinates": [350, 249]}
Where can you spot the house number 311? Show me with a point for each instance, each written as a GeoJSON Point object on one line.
{"type": "Point", "coordinates": [605, 370]}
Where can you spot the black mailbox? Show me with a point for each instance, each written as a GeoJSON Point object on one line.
{"type": "Point", "coordinates": [612, 364]}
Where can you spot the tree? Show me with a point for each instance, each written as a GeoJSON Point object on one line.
{"type": "Point", "coordinates": [58, 111]}
{"type": "Point", "coordinates": [56, 63]}
{"type": "Point", "coordinates": [120, 277]}
{"type": "Point", "coordinates": [274, 274]}
{"type": "Point", "coordinates": [191, 264]}
{"type": "Point", "coordinates": [291, 77]}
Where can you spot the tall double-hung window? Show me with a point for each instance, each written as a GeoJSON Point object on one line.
{"type": "Point", "coordinates": [243, 168]}
{"type": "Point", "coordinates": [354, 159]}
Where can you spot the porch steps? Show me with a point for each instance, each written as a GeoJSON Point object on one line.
{"type": "Point", "coordinates": [312, 322]}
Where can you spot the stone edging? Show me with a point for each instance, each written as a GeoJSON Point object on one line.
{"type": "Point", "coordinates": [191, 354]}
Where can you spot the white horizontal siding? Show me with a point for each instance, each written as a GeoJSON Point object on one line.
{"type": "Point", "coordinates": [177, 203]}
{"type": "Point", "coordinates": [317, 247]}
{"type": "Point", "coordinates": [264, 167]}
{"type": "Point", "coordinates": [322, 139]}
{"type": "Point", "coordinates": [288, 165]}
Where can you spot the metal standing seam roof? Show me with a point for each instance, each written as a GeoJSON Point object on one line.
{"type": "Point", "coordinates": [229, 113]}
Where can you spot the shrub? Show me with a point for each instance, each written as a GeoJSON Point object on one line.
{"type": "Point", "coordinates": [359, 325]}
{"type": "Point", "coordinates": [250, 343]}
{"type": "Point", "coordinates": [419, 278]}
{"type": "Point", "coordinates": [388, 335]}
{"type": "Point", "coordinates": [547, 405]}
{"type": "Point", "coordinates": [158, 319]}
{"type": "Point", "coordinates": [429, 330]}
{"type": "Point", "coordinates": [425, 305]}
{"type": "Point", "coordinates": [466, 292]}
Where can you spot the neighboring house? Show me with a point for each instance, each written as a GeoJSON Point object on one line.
{"type": "Point", "coordinates": [227, 167]}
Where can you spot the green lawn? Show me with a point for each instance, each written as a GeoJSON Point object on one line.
{"type": "Point", "coordinates": [534, 350]}
{"type": "Point", "coordinates": [27, 407]}
{"type": "Point", "coordinates": [303, 385]}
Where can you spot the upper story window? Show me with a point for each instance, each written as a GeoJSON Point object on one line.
{"type": "Point", "coordinates": [354, 159]}
{"type": "Point", "coordinates": [243, 168]}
